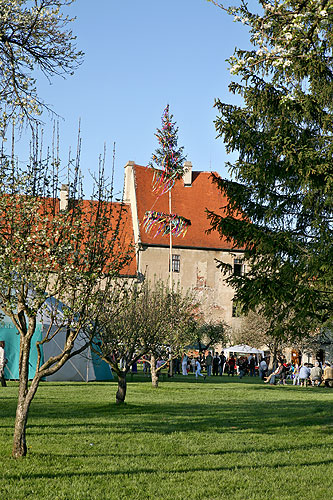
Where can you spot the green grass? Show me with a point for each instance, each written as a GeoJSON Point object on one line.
{"type": "Point", "coordinates": [187, 440]}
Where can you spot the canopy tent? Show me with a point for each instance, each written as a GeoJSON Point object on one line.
{"type": "Point", "coordinates": [86, 366]}
{"type": "Point", "coordinates": [10, 335]}
{"type": "Point", "coordinates": [243, 349]}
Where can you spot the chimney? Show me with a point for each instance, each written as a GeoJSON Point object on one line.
{"type": "Point", "coordinates": [187, 176]}
{"type": "Point", "coordinates": [64, 195]}
{"type": "Point", "coordinates": [128, 181]}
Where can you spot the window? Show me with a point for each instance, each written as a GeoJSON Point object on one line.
{"type": "Point", "coordinates": [238, 267]}
{"type": "Point", "coordinates": [175, 264]}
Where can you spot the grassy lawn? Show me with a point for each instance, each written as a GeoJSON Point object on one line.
{"type": "Point", "coordinates": [190, 440]}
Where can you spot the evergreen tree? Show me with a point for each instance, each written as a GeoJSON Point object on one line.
{"type": "Point", "coordinates": [282, 181]}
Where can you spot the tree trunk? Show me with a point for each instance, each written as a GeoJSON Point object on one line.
{"type": "Point", "coordinates": [121, 392]}
{"type": "Point", "coordinates": [154, 373]}
{"type": "Point", "coordinates": [25, 396]}
{"type": "Point", "coordinates": [19, 444]}
{"type": "Point", "coordinates": [273, 357]}
{"type": "Point", "coordinates": [22, 410]}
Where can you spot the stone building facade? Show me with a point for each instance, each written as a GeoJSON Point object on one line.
{"type": "Point", "coordinates": [194, 256]}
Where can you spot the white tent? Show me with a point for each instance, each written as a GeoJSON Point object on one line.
{"type": "Point", "coordinates": [86, 366]}
{"type": "Point", "coordinates": [243, 349]}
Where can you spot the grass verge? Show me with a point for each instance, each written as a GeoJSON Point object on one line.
{"type": "Point", "coordinates": [222, 438]}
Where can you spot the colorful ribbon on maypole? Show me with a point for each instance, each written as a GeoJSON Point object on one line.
{"type": "Point", "coordinates": [167, 157]}
{"type": "Point", "coordinates": [162, 223]}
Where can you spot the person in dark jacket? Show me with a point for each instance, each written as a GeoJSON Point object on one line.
{"type": "Point", "coordinates": [216, 362]}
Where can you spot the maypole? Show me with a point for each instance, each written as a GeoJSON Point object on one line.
{"type": "Point", "coordinates": [168, 165]}
{"type": "Point", "coordinates": [170, 245]}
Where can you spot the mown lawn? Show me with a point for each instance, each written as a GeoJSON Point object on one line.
{"type": "Point", "coordinates": [187, 440]}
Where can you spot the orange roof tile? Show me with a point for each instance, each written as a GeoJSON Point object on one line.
{"type": "Point", "coordinates": [188, 201]}
{"type": "Point", "coordinates": [119, 230]}
{"type": "Point", "coordinates": [121, 224]}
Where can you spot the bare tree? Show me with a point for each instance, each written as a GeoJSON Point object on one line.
{"type": "Point", "coordinates": [33, 36]}
{"type": "Point", "coordinates": [170, 314]}
{"type": "Point", "coordinates": [146, 318]}
{"type": "Point", "coordinates": [51, 253]}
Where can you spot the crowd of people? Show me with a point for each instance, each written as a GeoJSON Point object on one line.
{"type": "Point", "coordinates": [319, 374]}
{"type": "Point", "coordinates": [241, 366]}
{"type": "Point", "coordinates": [216, 364]}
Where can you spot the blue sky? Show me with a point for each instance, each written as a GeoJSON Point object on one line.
{"type": "Point", "coordinates": [139, 56]}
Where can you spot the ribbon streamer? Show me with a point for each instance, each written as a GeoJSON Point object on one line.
{"type": "Point", "coordinates": [163, 223]}
{"type": "Point", "coordinates": [171, 163]}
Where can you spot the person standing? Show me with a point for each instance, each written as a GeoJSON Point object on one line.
{"type": "Point", "coordinates": [231, 365]}
{"type": "Point", "coordinates": [223, 359]}
{"type": "Point", "coordinates": [184, 364]}
{"type": "Point", "coordinates": [252, 365]}
{"type": "Point", "coordinates": [209, 362]}
{"type": "Point", "coordinates": [193, 364]}
{"type": "Point", "coordinates": [216, 362]}
{"type": "Point", "coordinates": [3, 362]}
{"type": "Point", "coordinates": [263, 369]}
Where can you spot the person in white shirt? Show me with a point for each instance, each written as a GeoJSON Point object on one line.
{"type": "Point", "coordinates": [198, 369]}
{"type": "Point", "coordinates": [184, 364]}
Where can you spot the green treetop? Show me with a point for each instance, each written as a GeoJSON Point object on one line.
{"type": "Point", "coordinates": [282, 180]}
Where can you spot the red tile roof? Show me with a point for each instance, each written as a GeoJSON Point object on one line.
{"type": "Point", "coordinates": [125, 237]}
{"type": "Point", "coordinates": [190, 202]}
{"type": "Point", "coordinates": [121, 225]}
{"type": "Point", "coordinates": [118, 232]}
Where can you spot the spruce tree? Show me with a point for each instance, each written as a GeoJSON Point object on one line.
{"type": "Point", "coordinates": [282, 180]}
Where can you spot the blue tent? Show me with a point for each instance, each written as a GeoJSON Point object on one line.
{"type": "Point", "coordinates": [86, 366]}
{"type": "Point", "coordinates": [10, 335]}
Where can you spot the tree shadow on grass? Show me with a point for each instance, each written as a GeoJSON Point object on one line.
{"type": "Point", "coordinates": [174, 454]}
{"type": "Point", "coordinates": [262, 417]}
{"type": "Point", "coordinates": [152, 470]}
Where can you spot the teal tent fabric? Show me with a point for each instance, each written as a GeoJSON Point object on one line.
{"type": "Point", "coordinates": [85, 367]}
{"type": "Point", "coordinates": [10, 335]}
{"type": "Point", "coordinates": [102, 369]}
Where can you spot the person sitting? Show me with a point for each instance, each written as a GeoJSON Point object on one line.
{"type": "Point", "coordinates": [283, 373]}
{"type": "Point", "coordinates": [295, 374]}
{"type": "Point", "coordinates": [242, 365]}
{"type": "Point", "coordinates": [328, 375]}
{"type": "Point", "coordinates": [316, 374]}
{"type": "Point", "coordinates": [271, 379]}
{"type": "Point", "coordinates": [304, 374]}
